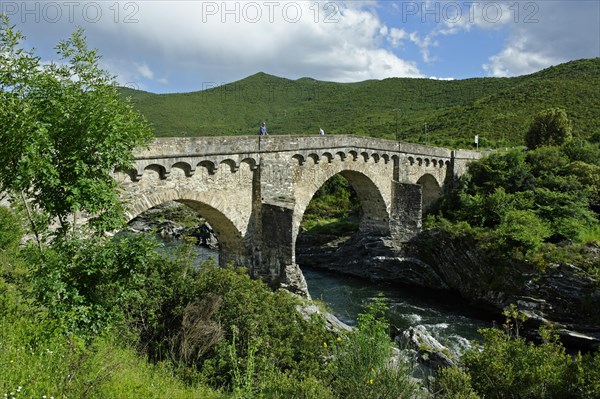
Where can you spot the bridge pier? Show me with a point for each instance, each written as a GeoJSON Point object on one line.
{"type": "Point", "coordinates": [277, 259]}
{"type": "Point", "coordinates": [273, 248]}
{"type": "Point", "coordinates": [406, 211]}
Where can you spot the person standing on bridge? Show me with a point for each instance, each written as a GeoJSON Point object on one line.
{"type": "Point", "coordinates": [263, 129]}
{"type": "Point", "coordinates": [321, 132]}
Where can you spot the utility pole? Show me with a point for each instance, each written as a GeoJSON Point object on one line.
{"type": "Point", "coordinates": [396, 110]}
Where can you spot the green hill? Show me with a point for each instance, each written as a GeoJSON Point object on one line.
{"type": "Point", "coordinates": [430, 111]}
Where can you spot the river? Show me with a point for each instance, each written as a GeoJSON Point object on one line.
{"type": "Point", "coordinates": [448, 318]}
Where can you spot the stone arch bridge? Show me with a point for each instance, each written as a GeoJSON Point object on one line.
{"type": "Point", "coordinates": [254, 190]}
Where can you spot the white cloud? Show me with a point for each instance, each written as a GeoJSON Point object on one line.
{"type": "Point", "coordinates": [396, 36]}
{"type": "Point", "coordinates": [425, 44]}
{"type": "Point", "coordinates": [558, 31]}
{"type": "Point", "coordinates": [179, 45]}
{"type": "Point", "coordinates": [539, 33]}
{"type": "Point", "coordinates": [436, 78]}
{"type": "Point", "coordinates": [145, 72]}
{"type": "Point", "coordinates": [214, 41]}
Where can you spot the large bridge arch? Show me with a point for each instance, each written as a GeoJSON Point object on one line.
{"type": "Point", "coordinates": [213, 208]}
{"type": "Point", "coordinates": [369, 182]}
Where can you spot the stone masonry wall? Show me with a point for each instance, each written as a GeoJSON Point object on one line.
{"type": "Point", "coordinates": [254, 190]}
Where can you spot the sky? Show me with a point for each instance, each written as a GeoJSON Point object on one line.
{"type": "Point", "coordinates": [184, 46]}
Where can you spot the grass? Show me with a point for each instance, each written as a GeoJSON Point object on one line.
{"type": "Point", "coordinates": [446, 113]}
{"type": "Point", "coordinates": [59, 367]}
{"type": "Point", "coordinates": [38, 362]}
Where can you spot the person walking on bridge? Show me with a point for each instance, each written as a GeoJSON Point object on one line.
{"type": "Point", "coordinates": [263, 129]}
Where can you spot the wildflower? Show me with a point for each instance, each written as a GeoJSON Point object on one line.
{"type": "Point", "coordinates": [324, 344]}
{"type": "Point", "coordinates": [19, 388]}
{"type": "Point", "coordinates": [370, 382]}
{"type": "Point", "coordinates": [338, 339]}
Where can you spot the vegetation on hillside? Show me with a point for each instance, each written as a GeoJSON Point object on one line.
{"type": "Point", "coordinates": [541, 204]}
{"type": "Point", "coordinates": [445, 113]}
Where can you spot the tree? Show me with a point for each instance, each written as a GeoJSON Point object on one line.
{"type": "Point", "coordinates": [63, 131]}
{"type": "Point", "coordinates": [549, 127]}
{"type": "Point", "coordinates": [523, 230]}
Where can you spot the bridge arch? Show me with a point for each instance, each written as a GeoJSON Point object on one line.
{"type": "Point", "coordinates": [375, 215]}
{"type": "Point", "coordinates": [431, 191]}
{"type": "Point", "coordinates": [229, 233]}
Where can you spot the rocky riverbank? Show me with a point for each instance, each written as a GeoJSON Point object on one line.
{"type": "Point", "coordinates": [563, 295]}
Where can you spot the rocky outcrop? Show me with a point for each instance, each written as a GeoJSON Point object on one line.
{"type": "Point", "coordinates": [426, 349]}
{"type": "Point", "coordinates": [562, 295]}
{"type": "Point", "coordinates": [332, 323]}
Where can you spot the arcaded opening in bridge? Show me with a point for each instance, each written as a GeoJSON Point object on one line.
{"type": "Point", "coordinates": [195, 222]}
{"type": "Point", "coordinates": [334, 207]}
{"type": "Point", "coordinates": [176, 224]}
{"type": "Point", "coordinates": [431, 191]}
{"type": "Point", "coordinates": [343, 209]}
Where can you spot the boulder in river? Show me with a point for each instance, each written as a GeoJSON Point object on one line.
{"type": "Point", "coordinates": [429, 350]}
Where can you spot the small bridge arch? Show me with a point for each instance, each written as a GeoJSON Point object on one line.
{"type": "Point", "coordinates": [431, 191]}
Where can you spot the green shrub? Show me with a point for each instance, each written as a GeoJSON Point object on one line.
{"type": "Point", "coordinates": [271, 331]}
{"type": "Point", "coordinates": [509, 367]}
{"type": "Point", "coordinates": [454, 383]}
{"type": "Point", "coordinates": [10, 230]}
{"type": "Point", "coordinates": [549, 127]}
{"type": "Point", "coordinates": [523, 230]}
{"type": "Point", "coordinates": [361, 364]}
{"type": "Point", "coordinates": [88, 284]}
{"type": "Point", "coordinates": [518, 200]}
{"type": "Point", "coordinates": [508, 170]}
{"type": "Point", "coordinates": [42, 361]}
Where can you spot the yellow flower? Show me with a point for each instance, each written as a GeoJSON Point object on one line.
{"type": "Point", "coordinates": [324, 344]}
{"type": "Point", "coordinates": [338, 339]}
{"type": "Point", "coordinates": [370, 382]}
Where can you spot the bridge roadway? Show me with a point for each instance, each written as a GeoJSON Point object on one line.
{"type": "Point", "coordinates": [254, 190]}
